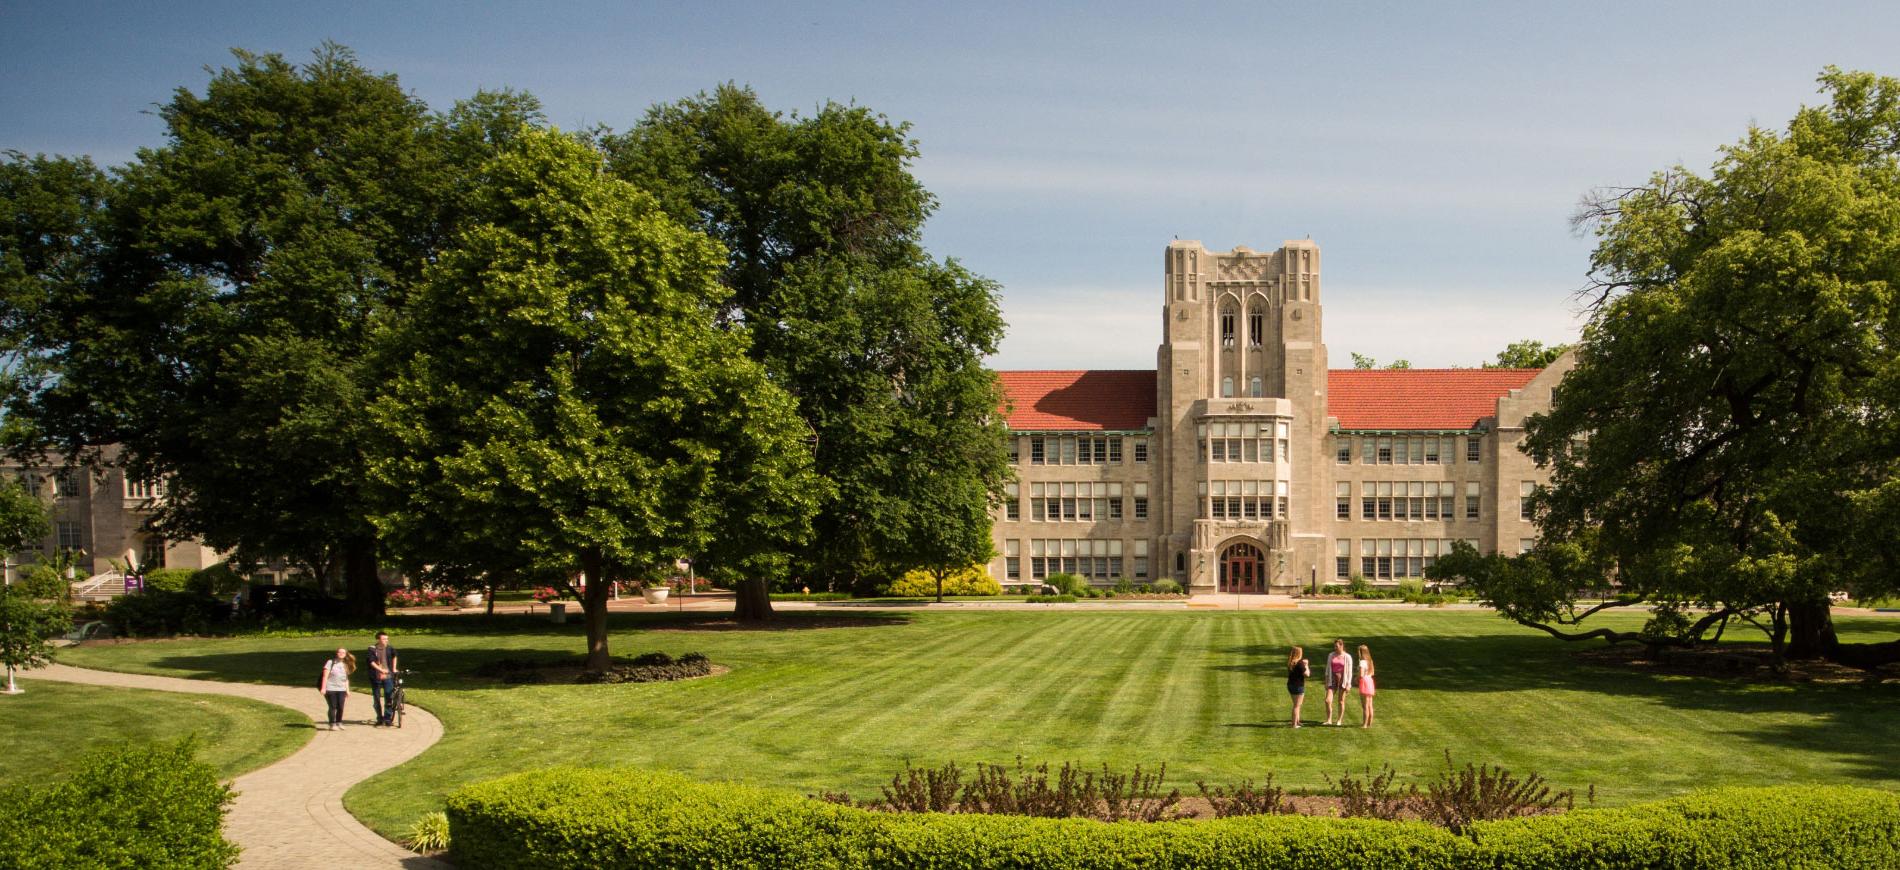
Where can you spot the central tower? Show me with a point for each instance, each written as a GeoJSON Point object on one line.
{"type": "Point", "coordinates": [1241, 416]}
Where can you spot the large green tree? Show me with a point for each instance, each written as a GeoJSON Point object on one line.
{"type": "Point", "coordinates": [564, 400]}
{"type": "Point", "coordinates": [880, 344]}
{"type": "Point", "coordinates": [1730, 438]}
{"type": "Point", "coordinates": [209, 305]}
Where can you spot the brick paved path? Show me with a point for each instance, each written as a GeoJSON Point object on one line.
{"type": "Point", "coordinates": [290, 814]}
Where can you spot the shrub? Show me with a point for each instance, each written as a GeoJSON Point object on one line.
{"type": "Point", "coordinates": [1050, 599]}
{"type": "Point", "coordinates": [812, 596]}
{"type": "Point", "coordinates": [1332, 589]}
{"type": "Point", "coordinates": [974, 580]}
{"type": "Point", "coordinates": [1245, 800]}
{"type": "Point", "coordinates": [1411, 587]}
{"type": "Point", "coordinates": [1371, 796]}
{"type": "Point", "coordinates": [1168, 587]}
{"type": "Point", "coordinates": [162, 612]}
{"type": "Point", "coordinates": [1124, 585]}
{"type": "Point", "coordinates": [130, 805]}
{"type": "Point", "coordinates": [428, 833]}
{"type": "Point", "coordinates": [1358, 586]}
{"type": "Point", "coordinates": [628, 818]}
{"type": "Point", "coordinates": [217, 581]}
{"type": "Point", "coordinates": [1460, 797]}
{"type": "Point", "coordinates": [169, 579]}
{"type": "Point", "coordinates": [1067, 584]}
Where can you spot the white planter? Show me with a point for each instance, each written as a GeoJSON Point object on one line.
{"type": "Point", "coordinates": [472, 599]}
{"type": "Point", "coordinates": [654, 596]}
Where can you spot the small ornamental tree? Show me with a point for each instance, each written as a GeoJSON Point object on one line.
{"type": "Point", "coordinates": [33, 607]}
{"type": "Point", "coordinates": [563, 398]}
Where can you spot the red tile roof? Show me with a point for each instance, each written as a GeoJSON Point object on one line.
{"type": "Point", "coordinates": [1418, 398]}
{"type": "Point", "coordinates": [1093, 400]}
{"type": "Point", "coordinates": [1118, 399]}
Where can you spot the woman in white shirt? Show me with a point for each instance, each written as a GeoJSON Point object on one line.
{"type": "Point", "coordinates": [335, 684]}
{"type": "Point", "coordinates": [1338, 683]}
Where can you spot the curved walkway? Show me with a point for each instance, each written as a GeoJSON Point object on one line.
{"type": "Point", "coordinates": [290, 814]}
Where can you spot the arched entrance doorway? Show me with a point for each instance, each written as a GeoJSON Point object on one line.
{"type": "Point", "coordinates": [1243, 569]}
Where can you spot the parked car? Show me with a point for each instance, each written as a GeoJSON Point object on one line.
{"type": "Point", "coordinates": [291, 602]}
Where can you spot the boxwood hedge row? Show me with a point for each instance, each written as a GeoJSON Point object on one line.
{"type": "Point", "coordinates": [628, 818]}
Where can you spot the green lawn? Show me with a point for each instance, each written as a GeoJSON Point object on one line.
{"type": "Point", "coordinates": [839, 707]}
{"type": "Point", "coordinates": [44, 730]}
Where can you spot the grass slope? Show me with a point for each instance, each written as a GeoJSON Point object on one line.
{"type": "Point", "coordinates": [821, 705]}
{"type": "Point", "coordinates": [44, 730]}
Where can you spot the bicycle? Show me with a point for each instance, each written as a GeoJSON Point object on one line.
{"type": "Point", "coordinates": [396, 697]}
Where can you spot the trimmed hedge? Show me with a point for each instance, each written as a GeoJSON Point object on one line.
{"type": "Point", "coordinates": [629, 818]}
{"type": "Point", "coordinates": [134, 805]}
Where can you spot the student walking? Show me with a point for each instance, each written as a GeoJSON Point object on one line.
{"type": "Point", "coordinates": [1338, 683]}
{"type": "Point", "coordinates": [335, 684]}
{"type": "Point", "coordinates": [1297, 670]}
{"type": "Point", "coordinates": [382, 678]}
{"type": "Point", "coordinates": [1366, 688]}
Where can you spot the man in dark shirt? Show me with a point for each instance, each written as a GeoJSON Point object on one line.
{"type": "Point", "coordinates": [382, 678]}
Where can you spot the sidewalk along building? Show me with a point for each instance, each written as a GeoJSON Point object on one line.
{"type": "Point", "coordinates": [1241, 463]}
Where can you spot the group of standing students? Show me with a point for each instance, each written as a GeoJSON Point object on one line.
{"type": "Point", "coordinates": [1338, 671]}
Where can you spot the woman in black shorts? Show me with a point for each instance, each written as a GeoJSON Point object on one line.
{"type": "Point", "coordinates": [1297, 670]}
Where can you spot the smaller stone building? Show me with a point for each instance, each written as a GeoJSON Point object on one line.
{"type": "Point", "coordinates": [102, 514]}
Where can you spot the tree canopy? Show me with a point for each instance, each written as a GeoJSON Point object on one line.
{"type": "Point", "coordinates": [1730, 437]}
{"type": "Point", "coordinates": [562, 388]}
{"type": "Point", "coordinates": [1366, 363]}
{"type": "Point", "coordinates": [1527, 354]}
{"type": "Point", "coordinates": [880, 345]}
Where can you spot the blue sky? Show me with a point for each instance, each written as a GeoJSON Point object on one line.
{"type": "Point", "coordinates": [1435, 151]}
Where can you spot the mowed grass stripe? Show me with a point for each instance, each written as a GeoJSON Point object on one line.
{"type": "Point", "coordinates": [1202, 691]}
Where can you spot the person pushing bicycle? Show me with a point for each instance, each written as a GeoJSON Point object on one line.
{"type": "Point", "coordinates": [382, 678]}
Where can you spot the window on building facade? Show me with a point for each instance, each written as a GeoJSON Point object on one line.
{"type": "Point", "coordinates": [1012, 559]}
{"type": "Point", "coordinates": [1012, 501]}
{"type": "Point", "coordinates": [1141, 501]}
{"type": "Point", "coordinates": [1342, 559]}
{"type": "Point", "coordinates": [66, 484]}
{"type": "Point", "coordinates": [152, 557]}
{"type": "Point", "coordinates": [1256, 328]}
{"type": "Point", "coordinates": [1385, 451]}
{"type": "Point", "coordinates": [1015, 452]}
{"type": "Point", "coordinates": [1525, 489]}
{"type": "Point", "coordinates": [1342, 450]}
{"type": "Point", "coordinates": [1066, 450]}
{"type": "Point", "coordinates": [1180, 563]}
{"type": "Point", "coordinates": [1384, 488]}
{"type": "Point", "coordinates": [1200, 492]}
{"type": "Point", "coordinates": [1254, 387]}
{"type": "Point", "coordinates": [1285, 432]}
{"type": "Point", "coordinates": [1471, 501]}
{"type": "Point", "coordinates": [1141, 450]}
{"type": "Point", "coordinates": [1342, 498]}
{"type": "Point", "coordinates": [68, 537]}
{"type": "Point", "coordinates": [1115, 448]}
{"type": "Point", "coordinates": [144, 489]}
{"type": "Point", "coordinates": [1472, 448]}
{"type": "Point", "coordinates": [1141, 560]}
{"type": "Point", "coordinates": [1366, 452]}
{"type": "Point", "coordinates": [1524, 545]}
{"type": "Point", "coordinates": [1036, 450]}
{"type": "Point", "coordinates": [1368, 500]}
{"type": "Point", "coordinates": [1227, 387]}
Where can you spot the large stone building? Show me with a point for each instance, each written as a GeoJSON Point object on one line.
{"type": "Point", "coordinates": [1241, 463]}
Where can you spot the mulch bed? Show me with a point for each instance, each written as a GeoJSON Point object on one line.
{"type": "Point", "coordinates": [1751, 662]}
{"type": "Point", "coordinates": [647, 668]}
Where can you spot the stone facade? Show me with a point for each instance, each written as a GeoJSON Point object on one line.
{"type": "Point", "coordinates": [1255, 468]}
{"type": "Point", "coordinates": [102, 514]}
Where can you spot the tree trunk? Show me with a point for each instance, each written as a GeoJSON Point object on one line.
{"type": "Point", "coordinates": [491, 599]}
{"type": "Point", "coordinates": [594, 611]}
{"type": "Point", "coordinates": [754, 601]}
{"type": "Point", "coordinates": [1810, 631]}
{"type": "Point", "coordinates": [939, 586]}
{"type": "Point", "coordinates": [363, 589]}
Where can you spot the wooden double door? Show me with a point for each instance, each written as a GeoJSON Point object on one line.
{"type": "Point", "coordinates": [1243, 568]}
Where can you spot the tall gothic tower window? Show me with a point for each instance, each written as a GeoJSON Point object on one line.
{"type": "Point", "coordinates": [1227, 328]}
{"type": "Point", "coordinates": [1256, 323]}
